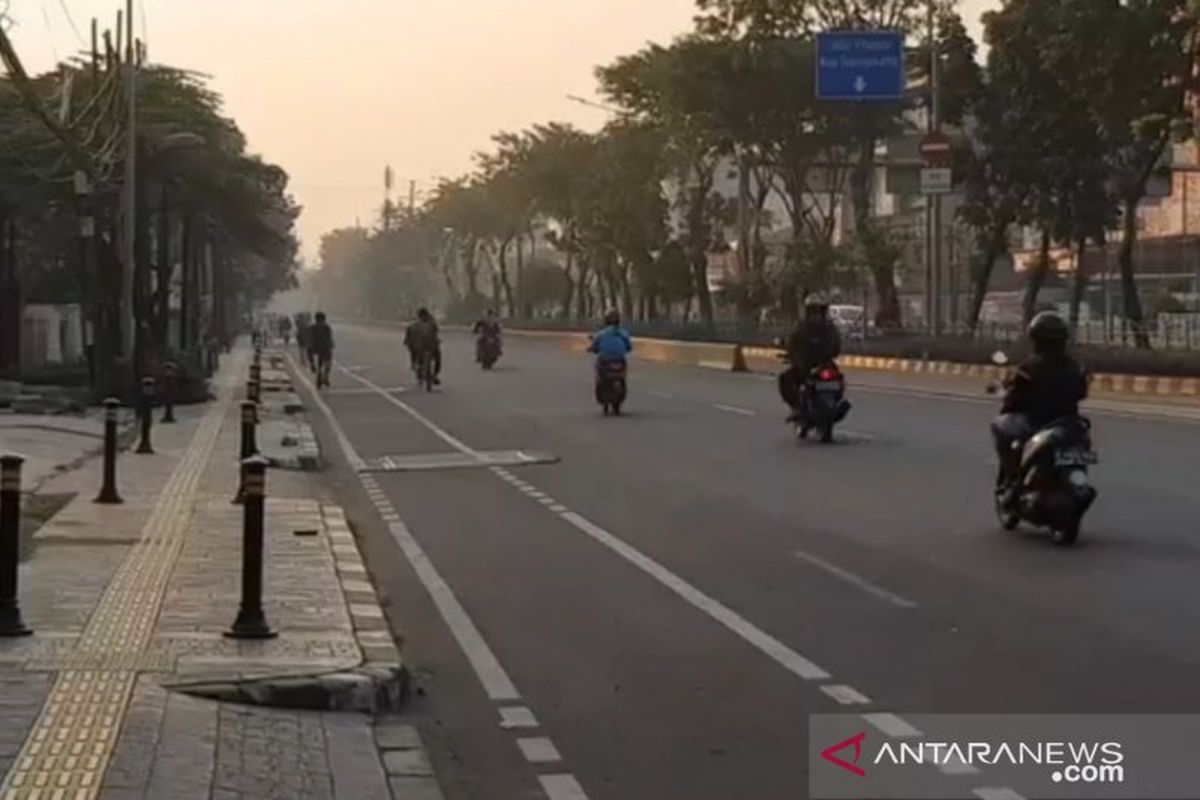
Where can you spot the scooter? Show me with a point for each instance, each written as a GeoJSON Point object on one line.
{"type": "Point", "coordinates": [612, 386]}
{"type": "Point", "coordinates": [488, 351]}
{"type": "Point", "coordinates": [823, 402]}
{"type": "Point", "coordinates": [1053, 488]}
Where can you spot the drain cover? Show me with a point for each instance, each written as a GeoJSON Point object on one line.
{"type": "Point", "coordinates": [434, 461]}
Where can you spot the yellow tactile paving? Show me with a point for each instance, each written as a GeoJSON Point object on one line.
{"type": "Point", "coordinates": [69, 747]}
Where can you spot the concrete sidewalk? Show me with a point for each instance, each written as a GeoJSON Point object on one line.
{"type": "Point", "coordinates": [128, 687]}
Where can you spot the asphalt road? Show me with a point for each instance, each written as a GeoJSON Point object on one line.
{"type": "Point", "coordinates": [674, 597]}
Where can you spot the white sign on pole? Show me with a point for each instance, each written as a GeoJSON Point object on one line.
{"type": "Point", "coordinates": [937, 180]}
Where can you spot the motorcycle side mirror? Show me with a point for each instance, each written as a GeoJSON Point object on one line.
{"type": "Point", "coordinates": [1000, 358]}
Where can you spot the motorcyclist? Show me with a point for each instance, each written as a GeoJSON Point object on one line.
{"type": "Point", "coordinates": [813, 342]}
{"type": "Point", "coordinates": [1047, 386]}
{"type": "Point", "coordinates": [611, 343]}
{"type": "Point", "coordinates": [487, 327]}
{"type": "Point", "coordinates": [423, 337]}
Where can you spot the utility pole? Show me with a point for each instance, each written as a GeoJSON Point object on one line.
{"type": "Point", "coordinates": [128, 325]}
{"type": "Point", "coordinates": [412, 198]}
{"type": "Point", "coordinates": [933, 229]}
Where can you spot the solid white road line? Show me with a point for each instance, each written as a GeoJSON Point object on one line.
{"type": "Point", "coordinates": [856, 580]}
{"type": "Point", "coordinates": [741, 412]}
{"type": "Point", "coordinates": [356, 461]}
{"type": "Point", "coordinates": [892, 725]}
{"type": "Point", "coordinates": [495, 680]}
{"type": "Point", "coordinates": [487, 667]}
{"type": "Point", "coordinates": [538, 750]}
{"type": "Point", "coordinates": [846, 695]}
{"type": "Point", "coordinates": [770, 646]}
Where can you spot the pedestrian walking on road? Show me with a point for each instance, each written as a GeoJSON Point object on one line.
{"type": "Point", "coordinates": [320, 348]}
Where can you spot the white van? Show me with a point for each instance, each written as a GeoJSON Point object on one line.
{"type": "Point", "coordinates": [849, 319]}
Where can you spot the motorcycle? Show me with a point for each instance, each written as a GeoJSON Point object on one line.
{"type": "Point", "coordinates": [487, 351]}
{"type": "Point", "coordinates": [823, 402]}
{"type": "Point", "coordinates": [1053, 488]}
{"type": "Point", "coordinates": [611, 386]}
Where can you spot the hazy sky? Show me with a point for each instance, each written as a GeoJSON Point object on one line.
{"type": "Point", "coordinates": [333, 90]}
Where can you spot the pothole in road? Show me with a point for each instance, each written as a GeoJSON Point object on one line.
{"type": "Point", "coordinates": [441, 461]}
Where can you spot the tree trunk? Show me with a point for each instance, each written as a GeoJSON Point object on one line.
{"type": "Point", "coordinates": [186, 303]}
{"type": "Point", "coordinates": [1081, 280]}
{"type": "Point", "coordinates": [698, 241]}
{"type": "Point", "coordinates": [1129, 290]}
{"type": "Point", "coordinates": [996, 242]}
{"type": "Point", "coordinates": [568, 287]}
{"type": "Point", "coordinates": [505, 283]}
{"type": "Point", "coordinates": [160, 313]}
{"type": "Point", "coordinates": [10, 301]}
{"type": "Point", "coordinates": [883, 269]}
{"type": "Point", "coordinates": [583, 292]}
{"type": "Point", "coordinates": [1037, 276]}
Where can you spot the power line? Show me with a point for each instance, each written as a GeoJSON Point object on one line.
{"type": "Point", "coordinates": [145, 25]}
{"type": "Point", "coordinates": [71, 21]}
{"type": "Point", "coordinates": [49, 32]}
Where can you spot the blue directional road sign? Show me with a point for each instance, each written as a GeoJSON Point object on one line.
{"type": "Point", "coordinates": [860, 65]}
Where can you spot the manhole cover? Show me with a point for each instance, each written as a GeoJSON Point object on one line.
{"type": "Point", "coordinates": [435, 461]}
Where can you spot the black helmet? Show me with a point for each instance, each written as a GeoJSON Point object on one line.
{"type": "Point", "coordinates": [1049, 331]}
{"type": "Point", "coordinates": [613, 317]}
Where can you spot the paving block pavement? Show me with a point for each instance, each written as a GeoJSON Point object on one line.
{"type": "Point", "coordinates": [129, 604]}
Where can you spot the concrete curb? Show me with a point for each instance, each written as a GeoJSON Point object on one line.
{"type": "Point", "coordinates": [379, 684]}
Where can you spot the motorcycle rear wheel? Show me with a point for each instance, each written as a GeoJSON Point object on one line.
{"type": "Point", "coordinates": [1009, 519]}
{"type": "Point", "coordinates": [1066, 535]}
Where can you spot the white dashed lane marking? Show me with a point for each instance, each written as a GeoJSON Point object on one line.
{"type": "Point", "coordinates": [538, 750]}
{"type": "Point", "coordinates": [513, 717]}
{"type": "Point", "coordinates": [997, 794]}
{"type": "Point", "coordinates": [892, 725]}
{"type": "Point", "coordinates": [846, 695]}
{"type": "Point", "coordinates": [564, 786]}
{"type": "Point", "coordinates": [741, 412]}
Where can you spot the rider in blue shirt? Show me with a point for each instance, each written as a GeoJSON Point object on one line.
{"type": "Point", "coordinates": [612, 343]}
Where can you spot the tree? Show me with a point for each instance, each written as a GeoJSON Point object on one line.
{"type": "Point", "coordinates": [659, 86]}
{"type": "Point", "coordinates": [1141, 98]}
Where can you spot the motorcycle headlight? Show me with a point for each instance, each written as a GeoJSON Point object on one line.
{"type": "Point", "coordinates": [1079, 478]}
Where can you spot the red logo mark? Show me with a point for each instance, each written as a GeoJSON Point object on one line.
{"type": "Point", "coordinates": [829, 754]}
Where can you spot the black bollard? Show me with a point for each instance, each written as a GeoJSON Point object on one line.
{"type": "Point", "coordinates": [11, 623]}
{"type": "Point", "coordinates": [249, 430]}
{"type": "Point", "coordinates": [249, 447]}
{"type": "Point", "coordinates": [108, 492]}
{"type": "Point", "coordinates": [147, 415]}
{"type": "Point", "coordinates": [251, 622]}
{"type": "Point", "coordinates": [170, 383]}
